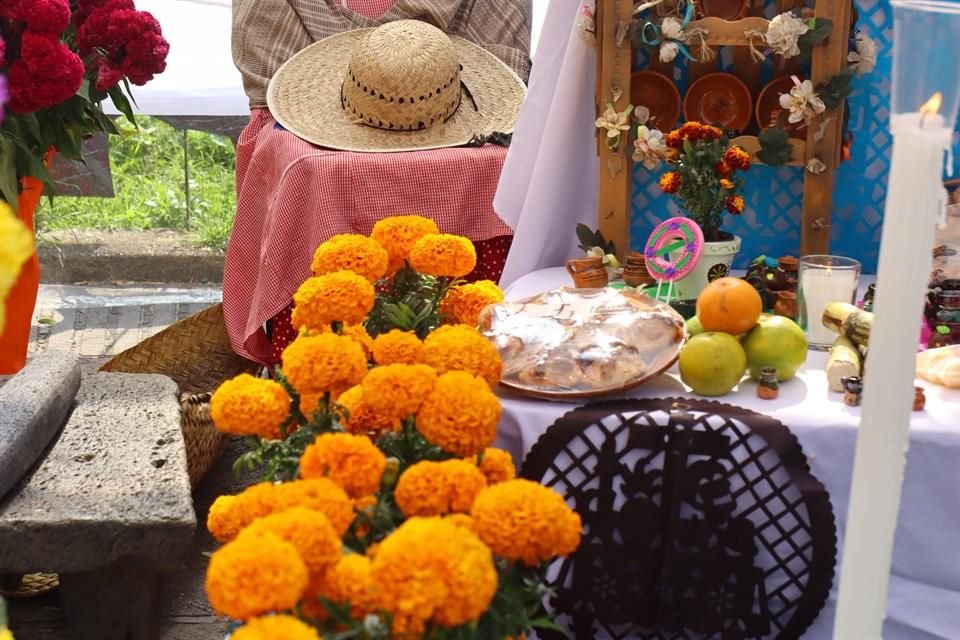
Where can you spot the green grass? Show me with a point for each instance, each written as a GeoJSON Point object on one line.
{"type": "Point", "coordinates": [147, 169]}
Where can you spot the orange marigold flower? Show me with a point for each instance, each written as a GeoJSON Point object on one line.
{"type": "Point", "coordinates": [522, 520]}
{"type": "Point", "coordinates": [723, 170]}
{"type": "Point", "coordinates": [674, 139]}
{"type": "Point", "coordinates": [432, 569]}
{"type": "Point", "coordinates": [460, 415]}
{"type": "Point", "coordinates": [397, 347]}
{"type": "Point", "coordinates": [351, 252]}
{"type": "Point", "coordinates": [361, 418]}
{"type": "Point", "coordinates": [670, 182]}
{"type": "Point", "coordinates": [223, 520]}
{"type": "Point", "coordinates": [497, 465]}
{"type": "Point", "coordinates": [737, 158]}
{"type": "Point", "coordinates": [318, 494]}
{"type": "Point", "coordinates": [398, 390]}
{"type": "Point", "coordinates": [437, 488]}
{"type": "Point", "coordinates": [358, 333]}
{"type": "Point", "coordinates": [275, 628]}
{"type": "Point", "coordinates": [353, 462]}
{"type": "Point", "coordinates": [462, 520]}
{"type": "Point", "coordinates": [231, 514]}
{"type": "Point", "coordinates": [692, 131]}
{"type": "Point", "coordinates": [253, 575]}
{"type": "Point", "coordinates": [709, 132]}
{"type": "Point", "coordinates": [246, 405]}
{"type": "Point", "coordinates": [459, 347]}
{"type": "Point", "coordinates": [326, 362]}
{"type": "Point", "coordinates": [398, 234]}
{"type": "Point", "coordinates": [735, 204]}
{"type": "Point", "coordinates": [341, 296]}
{"type": "Point", "coordinates": [463, 304]}
{"type": "Point", "coordinates": [726, 184]}
{"type": "Point", "coordinates": [309, 531]}
{"type": "Point", "coordinates": [350, 581]}
{"type": "Point", "coordinates": [443, 255]}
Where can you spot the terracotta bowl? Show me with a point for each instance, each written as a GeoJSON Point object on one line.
{"type": "Point", "coordinates": [719, 99]}
{"type": "Point", "coordinates": [658, 93]}
{"type": "Point", "coordinates": [724, 9]}
{"type": "Point", "coordinates": [768, 105]}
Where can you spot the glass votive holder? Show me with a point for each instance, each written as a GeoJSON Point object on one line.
{"type": "Point", "coordinates": [822, 280]}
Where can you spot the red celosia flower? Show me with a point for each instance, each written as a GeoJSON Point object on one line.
{"type": "Point", "coordinates": [130, 40]}
{"type": "Point", "coordinates": [86, 7]}
{"type": "Point", "coordinates": [46, 74]}
{"type": "Point", "coordinates": [50, 17]}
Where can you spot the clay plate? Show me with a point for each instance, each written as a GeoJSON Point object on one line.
{"type": "Point", "coordinates": [768, 104]}
{"type": "Point", "coordinates": [719, 99]}
{"type": "Point", "coordinates": [723, 9]}
{"type": "Point", "coordinates": [658, 93]}
{"type": "Point", "coordinates": [567, 344]}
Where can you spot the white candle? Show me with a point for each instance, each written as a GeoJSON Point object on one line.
{"type": "Point", "coordinates": [819, 287]}
{"type": "Point", "coordinates": [912, 208]}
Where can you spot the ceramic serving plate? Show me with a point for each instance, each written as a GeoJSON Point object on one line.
{"type": "Point", "coordinates": [719, 99]}
{"type": "Point", "coordinates": [583, 343]}
{"type": "Point", "coordinates": [659, 94]}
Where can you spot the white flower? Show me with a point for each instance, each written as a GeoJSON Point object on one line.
{"type": "Point", "coordinates": [641, 114]}
{"type": "Point", "coordinates": [864, 59]}
{"type": "Point", "coordinates": [668, 51]}
{"type": "Point", "coordinates": [784, 32]}
{"type": "Point", "coordinates": [802, 102]}
{"type": "Point", "coordinates": [671, 29]}
{"type": "Point", "coordinates": [649, 147]}
{"type": "Point", "coordinates": [614, 122]}
{"type": "Point", "coordinates": [609, 260]}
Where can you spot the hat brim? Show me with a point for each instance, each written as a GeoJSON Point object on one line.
{"type": "Point", "coordinates": [304, 98]}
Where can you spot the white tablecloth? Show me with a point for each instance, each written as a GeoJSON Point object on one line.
{"type": "Point", "coordinates": [924, 596]}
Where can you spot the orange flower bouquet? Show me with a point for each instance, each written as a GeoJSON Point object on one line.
{"type": "Point", "coordinates": [704, 176]}
{"type": "Point", "coordinates": [384, 511]}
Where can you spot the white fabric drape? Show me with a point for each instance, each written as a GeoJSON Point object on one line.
{"type": "Point", "coordinates": [549, 182]}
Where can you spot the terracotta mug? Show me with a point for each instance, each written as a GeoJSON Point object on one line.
{"type": "Point", "coordinates": [635, 272]}
{"type": "Point", "coordinates": [588, 273]}
{"type": "Point", "coordinates": [786, 304]}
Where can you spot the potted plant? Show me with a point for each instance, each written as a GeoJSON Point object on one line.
{"type": "Point", "coordinates": [61, 59]}
{"type": "Point", "coordinates": [705, 180]}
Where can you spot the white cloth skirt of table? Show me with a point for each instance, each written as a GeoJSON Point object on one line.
{"type": "Point", "coordinates": [924, 597]}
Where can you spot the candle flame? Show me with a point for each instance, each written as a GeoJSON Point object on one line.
{"type": "Point", "coordinates": [933, 104]}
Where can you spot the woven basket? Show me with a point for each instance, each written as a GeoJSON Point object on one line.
{"type": "Point", "coordinates": [196, 353]}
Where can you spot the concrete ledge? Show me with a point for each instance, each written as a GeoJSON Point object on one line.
{"type": "Point", "coordinates": [113, 487]}
{"type": "Point", "coordinates": [34, 405]}
{"type": "Point", "coordinates": [68, 257]}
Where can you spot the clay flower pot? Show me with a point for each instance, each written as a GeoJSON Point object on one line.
{"type": "Point", "coordinates": [588, 273]}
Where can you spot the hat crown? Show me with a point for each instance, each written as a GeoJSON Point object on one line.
{"type": "Point", "coordinates": [404, 75]}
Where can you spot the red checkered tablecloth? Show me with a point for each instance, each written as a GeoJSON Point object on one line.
{"type": "Point", "coordinates": [292, 196]}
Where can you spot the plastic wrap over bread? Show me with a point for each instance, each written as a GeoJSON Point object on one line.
{"type": "Point", "coordinates": [569, 343]}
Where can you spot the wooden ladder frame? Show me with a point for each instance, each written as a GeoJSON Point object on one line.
{"type": "Point", "coordinates": [614, 70]}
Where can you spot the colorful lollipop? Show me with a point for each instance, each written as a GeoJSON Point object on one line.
{"type": "Point", "coordinates": [680, 235]}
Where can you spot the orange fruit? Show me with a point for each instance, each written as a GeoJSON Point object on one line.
{"type": "Point", "coordinates": [730, 305]}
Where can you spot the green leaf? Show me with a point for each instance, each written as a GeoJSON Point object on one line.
{"type": "Point", "coordinates": [817, 34]}
{"type": "Point", "coordinates": [122, 104]}
{"type": "Point", "coordinates": [835, 90]}
{"type": "Point", "coordinates": [586, 236]}
{"type": "Point", "coordinates": [9, 185]}
{"type": "Point", "coordinates": [775, 147]}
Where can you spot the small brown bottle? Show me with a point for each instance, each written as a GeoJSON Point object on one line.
{"type": "Point", "coordinates": [767, 387]}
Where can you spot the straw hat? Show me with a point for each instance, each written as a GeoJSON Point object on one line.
{"type": "Point", "coordinates": [403, 86]}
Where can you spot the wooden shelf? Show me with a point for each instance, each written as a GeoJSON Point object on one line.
{"type": "Point", "coordinates": [723, 33]}
{"type": "Point", "coordinates": [751, 144]}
